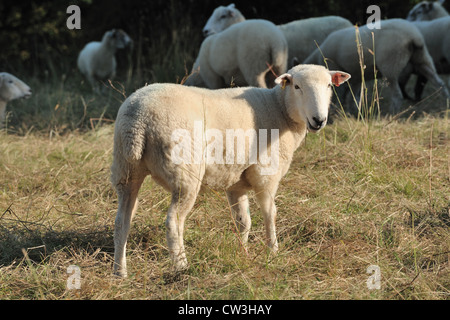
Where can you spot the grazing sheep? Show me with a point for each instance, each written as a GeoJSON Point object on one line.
{"type": "Point", "coordinates": [437, 40]}
{"type": "Point", "coordinates": [427, 10]}
{"type": "Point", "coordinates": [301, 35]}
{"type": "Point", "coordinates": [243, 55]}
{"type": "Point", "coordinates": [11, 88]}
{"type": "Point", "coordinates": [397, 43]}
{"type": "Point", "coordinates": [97, 61]}
{"type": "Point", "coordinates": [158, 121]}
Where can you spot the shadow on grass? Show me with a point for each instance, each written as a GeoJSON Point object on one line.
{"type": "Point", "coordinates": [39, 240]}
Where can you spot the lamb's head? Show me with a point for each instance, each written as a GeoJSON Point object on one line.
{"type": "Point", "coordinates": [222, 18]}
{"type": "Point", "coordinates": [12, 88]}
{"type": "Point", "coordinates": [427, 10]}
{"type": "Point", "coordinates": [307, 93]}
{"type": "Point", "coordinates": [117, 39]}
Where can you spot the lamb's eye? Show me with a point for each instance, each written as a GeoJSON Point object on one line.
{"type": "Point", "coordinates": [10, 81]}
{"type": "Point", "coordinates": [222, 16]}
{"type": "Point", "coordinates": [296, 87]}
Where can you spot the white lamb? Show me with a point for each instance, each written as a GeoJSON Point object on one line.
{"type": "Point", "coordinates": [97, 60]}
{"type": "Point", "coordinates": [243, 54]}
{"type": "Point", "coordinates": [301, 35]}
{"type": "Point", "coordinates": [397, 43]}
{"type": "Point", "coordinates": [153, 135]}
{"type": "Point", "coordinates": [427, 10]}
{"type": "Point", "coordinates": [11, 88]}
{"type": "Point", "coordinates": [437, 38]}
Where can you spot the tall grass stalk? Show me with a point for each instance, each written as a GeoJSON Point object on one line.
{"type": "Point", "coordinates": [368, 106]}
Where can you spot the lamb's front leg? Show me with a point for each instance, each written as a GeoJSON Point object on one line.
{"type": "Point", "coordinates": [396, 97]}
{"type": "Point", "coordinates": [266, 200]}
{"type": "Point", "coordinates": [94, 83]}
{"type": "Point", "coordinates": [238, 201]}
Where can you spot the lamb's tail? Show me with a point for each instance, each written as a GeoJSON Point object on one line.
{"type": "Point", "coordinates": [277, 64]}
{"type": "Point", "coordinates": [420, 54]}
{"type": "Point", "coordinates": [129, 146]}
{"type": "Point", "coordinates": [131, 134]}
{"type": "Point", "coordinates": [279, 56]}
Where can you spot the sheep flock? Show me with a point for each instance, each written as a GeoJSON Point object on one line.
{"type": "Point", "coordinates": [263, 85]}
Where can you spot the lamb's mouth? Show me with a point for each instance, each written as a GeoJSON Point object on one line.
{"type": "Point", "coordinates": [313, 129]}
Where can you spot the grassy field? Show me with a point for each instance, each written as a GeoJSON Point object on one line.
{"type": "Point", "coordinates": [360, 193]}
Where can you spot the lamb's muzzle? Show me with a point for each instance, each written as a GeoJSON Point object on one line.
{"type": "Point", "coordinates": [316, 124]}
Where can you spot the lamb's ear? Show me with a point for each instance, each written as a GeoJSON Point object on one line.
{"type": "Point", "coordinates": [284, 79]}
{"type": "Point", "coordinates": [230, 9]}
{"type": "Point", "coordinates": [339, 77]}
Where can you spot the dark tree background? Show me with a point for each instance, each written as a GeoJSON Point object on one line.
{"type": "Point", "coordinates": [167, 33]}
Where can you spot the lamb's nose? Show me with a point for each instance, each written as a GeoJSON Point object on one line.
{"type": "Point", "coordinates": [205, 32]}
{"type": "Point", "coordinates": [319, 122]}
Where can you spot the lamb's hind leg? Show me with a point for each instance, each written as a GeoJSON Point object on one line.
{"type": "Point", "coordinates": [182, 203]}
{"type": "Point", "coordinates": [238, 201]}
{"type": "Point", "coordinates": [258, 79]}
{"type": "Point", "coordinates": [432, 76]}
{"type": "Point", "coordinates": [255, 72]}
{"type": "Point", "coordinates": [127, 194]}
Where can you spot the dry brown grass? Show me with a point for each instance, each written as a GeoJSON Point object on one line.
{"type": "Point", "coordinates": [357, 194]}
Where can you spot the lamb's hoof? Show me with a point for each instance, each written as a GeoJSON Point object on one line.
{"type": "Point", "coordinates": [273, 248]}
{"type": "Point", "coordinates": [181, 265]}
{"type": "Point", "coordinates": [120, 273]}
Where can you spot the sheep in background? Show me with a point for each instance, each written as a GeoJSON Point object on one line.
{"type": "Point", "coordinates": [301, 35]}
{"type": "Point", "coordinates": [437, 40]}
{"type": "Point", "coordinates": [97, 60]}
{"type": "Point", "coordinates": [11, 88]}
{"type": "Point", "coordinates": [151, 122]}
{"type": "Point", "coordinates": [426, 10]}
{"type": "Point", "coordinates": [222, 18]}
{"type": "Point", "coordinates": [243, 55]}
{"type": "Point", "coordinates": [397, 43]}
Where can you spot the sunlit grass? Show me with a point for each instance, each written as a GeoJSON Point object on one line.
{"type": "Point", "coordinates": [341, 208]}
{"type": "Point", "coordinates": [366, 190]}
